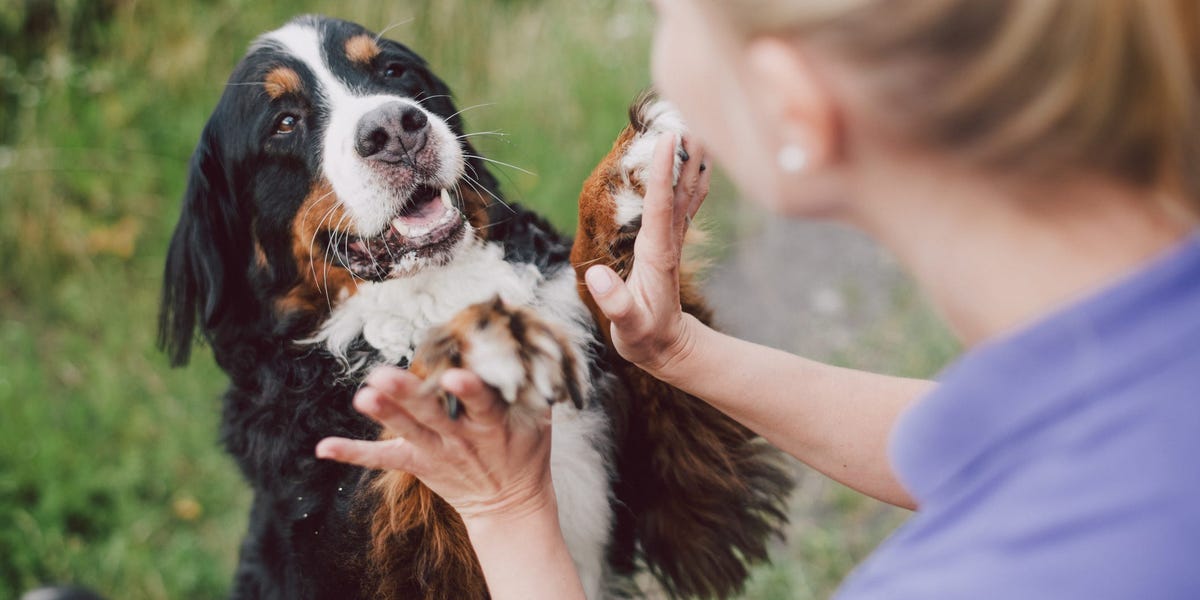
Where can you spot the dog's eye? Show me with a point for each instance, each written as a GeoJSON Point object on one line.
{"type": "Point", "coordinates": [394, 70]}
{"type": "Point", "coordinates": [286, 124]}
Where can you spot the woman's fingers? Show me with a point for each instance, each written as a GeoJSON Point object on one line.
{"type": "Point", "coordinates": [689, 184]}
{"type": "Point", "coordinates": [412, 395]}
{"type": "Point", "coordinates": [375, 404]}
{"type": "Point", "coordinates": [394, 454]}
{"type": "Point", "coordinates": [655, 240]}
{"type": "Point", "coordinates": [393, 381]}
{"type": "Point", "coordinates": [403, 402]}
{"type": "Point", "coordinates": [693, 188]}
{"type": "Point", "coordinates": [613, 298]}
{"type": "Point", "coordinates": [701, 193]}
{"type": "Point", "coordinates": [480, 401]}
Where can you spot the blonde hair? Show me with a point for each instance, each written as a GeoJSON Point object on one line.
{"type": "Point", "coordinates": [1035, 85]}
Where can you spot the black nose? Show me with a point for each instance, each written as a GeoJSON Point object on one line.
{"type": "Point", "coordinates": [392, 132]}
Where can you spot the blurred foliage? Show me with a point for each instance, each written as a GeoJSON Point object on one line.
{"type": "Point", "coordinates": [110, 473]}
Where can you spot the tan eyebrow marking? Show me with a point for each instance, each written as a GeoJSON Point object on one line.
{"type": "Point", "coordinates": [362, 49]}
{"type": "Point", "coordinates": [280, 81]}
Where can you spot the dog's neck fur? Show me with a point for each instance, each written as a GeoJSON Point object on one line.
{"type": "Point", "coordinates": [392, 315]}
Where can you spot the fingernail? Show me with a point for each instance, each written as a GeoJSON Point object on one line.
{"type": "Point", "coordinates": [598, 280]}
{"type": "Point", "coordinates": [323, 451]}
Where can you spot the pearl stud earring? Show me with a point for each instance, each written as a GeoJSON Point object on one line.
{"type": "Point", "coordinates": [792, 158]}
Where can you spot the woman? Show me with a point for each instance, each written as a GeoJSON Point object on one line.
{"type": "Point", "coordinates": [1032, 163]}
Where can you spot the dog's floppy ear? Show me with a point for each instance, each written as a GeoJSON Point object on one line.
{"type": "Point", "coordinates": [208, 255]}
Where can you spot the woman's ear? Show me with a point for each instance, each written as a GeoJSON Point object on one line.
{"type": "Point", "coordinates": [796, 101]}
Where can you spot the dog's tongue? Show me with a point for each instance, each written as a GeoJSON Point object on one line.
{"type": "Point", "coordinates": [422, 219]}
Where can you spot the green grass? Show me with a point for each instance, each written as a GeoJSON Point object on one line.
{"type": "Point", "coordinates": [110, 472]}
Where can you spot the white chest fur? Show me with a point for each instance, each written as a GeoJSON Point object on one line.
{"type": "Point", "coordinates": [393, 316]}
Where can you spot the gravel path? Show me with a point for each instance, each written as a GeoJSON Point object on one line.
{"type": "Point", "coordinates": [812, 288]}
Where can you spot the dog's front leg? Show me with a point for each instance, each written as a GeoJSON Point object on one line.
{"type": "Point", "coordinates": [531, 366]}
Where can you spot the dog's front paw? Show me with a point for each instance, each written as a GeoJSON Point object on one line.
{"type": "Point", "coordinates": [610, 206]}
{"type": "Point", "coordinates": [649, 119]}
{"type": "Point", "coordinates": [526, 360]}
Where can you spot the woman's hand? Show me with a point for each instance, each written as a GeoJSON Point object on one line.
{"type": "Point", "coordinates": [495, 471]}
{"type": "Point", "coordinates": [649, 328]}
{"type": "Point", "coordinates": [483, 464]}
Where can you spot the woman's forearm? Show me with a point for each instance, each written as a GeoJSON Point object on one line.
{"type": "Point", "coordinates": [524, 556]}
{"type": "Point", "coordinates": [835, 420]}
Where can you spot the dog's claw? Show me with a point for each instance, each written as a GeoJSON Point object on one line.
{"type": "Point", "coordinates": [453, 406]}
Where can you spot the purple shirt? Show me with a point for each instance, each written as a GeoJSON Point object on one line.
{"type": "Point", "coordinates": [1062, 461]}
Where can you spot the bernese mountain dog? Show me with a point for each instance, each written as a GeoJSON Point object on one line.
{"type": "Point", "coordinates": [336, 217]}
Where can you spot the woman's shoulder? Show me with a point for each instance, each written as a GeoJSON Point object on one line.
{"type": "Point", "coordinates": [1119, 365]}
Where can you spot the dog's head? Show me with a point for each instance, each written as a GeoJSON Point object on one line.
{"type": "Point", "coordinates": [333, 158]}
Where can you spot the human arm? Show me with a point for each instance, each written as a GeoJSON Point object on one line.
{"type": "Point", "coordinates": [493, 470]}
{"type": "Point", "coordinates": [836, 420]}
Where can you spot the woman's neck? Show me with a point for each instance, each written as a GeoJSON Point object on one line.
{"type": "Point", "coordinates": [996, 256]}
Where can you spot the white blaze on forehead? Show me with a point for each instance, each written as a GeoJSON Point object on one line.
{"type": "Point", "coordinates": [370, 201]}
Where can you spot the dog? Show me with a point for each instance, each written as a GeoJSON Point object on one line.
{"type": "Point", "coordinates": [337, 217]}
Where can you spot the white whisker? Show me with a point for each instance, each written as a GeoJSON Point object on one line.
{"type": "Point", "coordinates": [501, 163]}
{"type": "Point", "coordinates": [379, 36]}
{"type": "Point", "coordinates": [313, 242]}
{"type": "Point", "coordinates": [470, 108]}
{"type": "Point", "coordinates": [478, 187]}
{"type": "Point", "coordinates": [419, 101]}
{"type": "Point", "coordinates": [479, 133]}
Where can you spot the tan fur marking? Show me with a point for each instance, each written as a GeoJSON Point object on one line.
{"type": "Point", "coordinates": [475, 207]}
{"type": "Point", "coordinates": [260, 255]}
{"type": "Point", "coordinates": [598, 238]}
{"type": "Point", "coordinates": [282, 81]}
{"type": "Point", "coordinates": [419, 544]}
{"type": "Point", "coordinates": [362, 49]}
{"type": "Point", "coordinates": [322, 280]}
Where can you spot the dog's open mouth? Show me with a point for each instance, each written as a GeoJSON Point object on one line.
{"type": "Point", "coordinates": [428, 225]}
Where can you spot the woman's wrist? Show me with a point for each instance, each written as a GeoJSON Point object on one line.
{"type": "Point", "coordinates": [674, 361]}
{"type": "Point", "coordinates": [509, 512]}
{"type": "Point", "coordinates": [522, 552]}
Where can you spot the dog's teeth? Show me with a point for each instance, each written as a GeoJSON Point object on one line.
{"type": "Point", "coordinates": [401, 227]}
{"type": "Point", "coordinates": [446, 198]}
